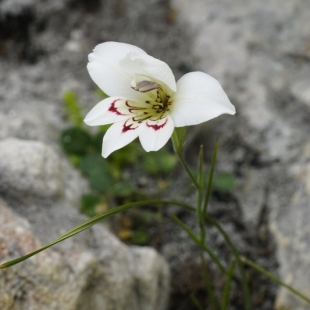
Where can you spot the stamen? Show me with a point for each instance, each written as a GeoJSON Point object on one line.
{"type": "Point", "coordinates": [145, 86]}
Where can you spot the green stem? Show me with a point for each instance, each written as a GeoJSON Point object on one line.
{"type": "Point", "coordinates": [207, 281]}
{"type": "Point", "coordinates": [208, 192]}
{"type": "Point", "coordinates": [200, 217]}
{"type": "Point", "coordinates": [177, 147]}
{"type": "Point", "coordinates": [227, 285]}
{"type": "Point", "coordinates": [244, 280]}
{"type": "Point", "coordinates": [274, 278]}
{"type": "Point", "coordinates": [190, 233]}
{"type": "Point", "coordinates": [92, 221]}
{"type": "Point", "coordinates": [196, 302]}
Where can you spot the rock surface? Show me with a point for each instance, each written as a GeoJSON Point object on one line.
{"type": "Point", "coordinates": [260, 53]}
{"type": "Point", "coordinates": [43, 49]}
{"type": "Point", "coordinates": [93, 271]}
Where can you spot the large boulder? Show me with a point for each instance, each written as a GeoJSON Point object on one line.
{"type": "Point", "coordinates": [95, 271]}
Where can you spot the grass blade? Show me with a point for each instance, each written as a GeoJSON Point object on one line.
{"type": "Point", "coordinates": [209, 185]}
{"type": "Point", "coordinates": [213, 256]}
{"type": "Point", "coordinates": [90, 222]}
{"type": "Point", "coordinates": [274, 278]}
{"type": "Point", "coordinates": [227, 285]}
{"type": "Point", "coordinates": [244, 280]}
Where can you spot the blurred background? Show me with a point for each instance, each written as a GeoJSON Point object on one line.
{"type": "Point", "coordinates": [52, 175]}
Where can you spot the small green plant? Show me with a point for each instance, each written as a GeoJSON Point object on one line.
{"type": "Point", "coordinates": [151, 105]}
{"type": "Point", "coordinates": [83, 148]}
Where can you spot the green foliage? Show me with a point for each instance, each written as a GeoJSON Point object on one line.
{"type": "Point", "coordinates": [162, 161]}
{"type": "Point", "coordinates": [75, 141]}
{"type": "Point", "coordinates": [135, 226]}
{"type": "Point", "coordinates": [89, 202]}
{"type": "Point", "coordinates": [101, 93]}
{"type": "Point", "coordinates": [72, 108]}
{"type": "Point", "coordinates": [106, 180]}
{"type": "Point", "coordinates": [97, 171]}
{"type": "Point", "coordinates": [224, 181]}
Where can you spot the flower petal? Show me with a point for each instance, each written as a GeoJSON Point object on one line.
{"type": "Point", "coordinates": [155, 134]}
{"type": "Point", "coordinates": [119, 135]}
{"type": "Point", "coordinates": [199, 98]}
{"type": "Point", "coordinates": [107, 111]}
{"type": "Point", "coordinates": [155, 69]}
{"type": "Point", "coordinates": [106, 72]}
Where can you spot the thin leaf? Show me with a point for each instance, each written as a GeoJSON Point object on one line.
{"type": "Point", "coordinates": [200, 178]}
{"type": "Point", "coordinates": [196, 302]}
{"type": "Point", "coordinates": [227, 285]}
{"type": "Point", "coordinates": [207, 281]}
{"type": "Point", "coordinates": [90, 222]}
{"type": "Point", "coordinates": [190, 233]}
{"type": "Point", "coordinates": [244, 280]}
{"type": "Point", "coordinates": [274, 278]}
{"type": "Point", "coordinates": [178, 149]}
{"type": "Point", "coordinates": [209, 186]}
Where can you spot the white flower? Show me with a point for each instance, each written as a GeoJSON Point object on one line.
{"type": "Point", "coordinates": [145, 100]}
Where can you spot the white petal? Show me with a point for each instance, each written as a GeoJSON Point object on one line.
{"type": "Point", "coordinates": [156, 134]}
{"type": "Point", "coordinates": [119, 135]}
{"type": "Point", "coordinates": [149, 66]}
{"type": "Point", "coordinates": [105, 71]}
{"type": "Point", "coordinates": [108, 111]}
{"type": "Point", "coordinates": [199, 98]}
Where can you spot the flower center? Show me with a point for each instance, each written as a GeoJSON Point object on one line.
{"type": "Point", "coordinates": [156, 104]}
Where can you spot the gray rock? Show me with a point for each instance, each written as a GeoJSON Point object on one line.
{"type": "Point", "coordinates": [260, 55]}
{"type": "Point", "coordinates": [93, 271]}
{"type": "Point", "coordinates": [30, 168]}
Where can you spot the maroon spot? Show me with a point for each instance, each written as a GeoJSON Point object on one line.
{"type": "Point", "coordinates": [128, 127]}
{"type": "Point", "coordinates": [114, 109]}
{"type": "Point", "coordinates": [157, 127]}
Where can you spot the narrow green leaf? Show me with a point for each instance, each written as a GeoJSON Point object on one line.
{"type": "Point", "coordinates": [72, 108]}
{"type": "Point", "coordinates": [92, 221]}
{"type": "Point", "coordinates": [230, 274]}
{"type": "Point", "coordinates": [244, 280]}
{"type": "Point", "coordinates": [209, 185]}
{"type": "Point", "coordinates": [191, 234]}
{"type": "Point", "coordinates": [274, 278]}
{"type": "Point", "coordinates": [196, 302]}
{"type": "Point", "coordinates": [207, 281]}
{"type": "Point", "coordinates": [178, 149]}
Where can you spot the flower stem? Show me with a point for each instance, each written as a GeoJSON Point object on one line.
{"type": "Point", "coordinates": [246, 291]}
{"type": "Point", "coordinates": [195, 238]}
{"type": "Point", "coordinates": [208, 193]}
{"type": "Point", "coordinates": [178, 149]}
{"type": "Point", "coordinates": [207, 281]}
{"type": "Point", "coordinates": [227, 285]}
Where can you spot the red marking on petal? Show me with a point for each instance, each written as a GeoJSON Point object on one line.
{"type": "Point", "coordinates": [128, 127]}
{"type": "Point", "coordinates": [114, 109]}
{"type": "Point", "coordinates": [157, 127]}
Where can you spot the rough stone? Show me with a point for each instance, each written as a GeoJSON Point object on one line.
{"type": "Point", "coordinates": [261, 58]}
{"type": "Point", "coordinates": [258, 52]}
{"type": "Point", "coordinates": [29, 168]}
{"type": "Point", "coordinates": [43, 54]}
{"type": "Point", "coordinates": [93, 271]}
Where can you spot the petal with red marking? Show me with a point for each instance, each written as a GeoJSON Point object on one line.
{"type": "Point", "coordinates": [155, 134]}
{"type": "Point", "coordinates": [119, 135]}
{"type": "Point", "coordinates": [108, 111]}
